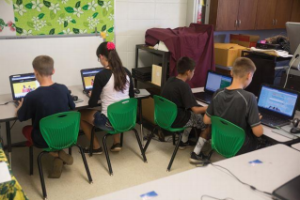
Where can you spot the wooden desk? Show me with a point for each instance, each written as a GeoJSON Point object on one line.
{"type": "Point", "coordinates": [296, 146]}
{"type": "Point", "coordinates": [13, 189]}
{"type": "Point", "coordinates": [267, 130]}
{"type": "Point", "coordinates": [280, 164]}
{"type": "Point", "coordinates": [8, 112]}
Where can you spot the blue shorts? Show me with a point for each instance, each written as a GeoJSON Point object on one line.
{"type": "Point", "coordinates": [101, 122]}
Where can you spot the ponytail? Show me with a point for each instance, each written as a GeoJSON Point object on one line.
{"type": "Point", "coordinates": [108, 50]}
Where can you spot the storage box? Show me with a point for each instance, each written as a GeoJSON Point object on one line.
{"type": "Point", "coordinates": [226, 53]}
{"type": "Point", "coordinates": [156, 74]}
{"type": "Point", "coordinates": [244, 40]}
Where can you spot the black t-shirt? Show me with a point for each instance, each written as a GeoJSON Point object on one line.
{"type": "Point", "coordinates": [181, 94]}
{"type": "Point", "coordinates": [42, 102]}
{"type": "Point", "coordinates": [240, 108]}
{"type": "Point", "coordinates": [101, 79]}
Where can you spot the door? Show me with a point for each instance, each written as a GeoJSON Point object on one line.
{"type": "Point", "coordinates": [247, 14]}
{"type": "Point", "coordinates": [265, 18]}
{"type": "Point", "coordinates": [227, 15]}
{"type": "Point", "coordinates": [296, 11]}
{"type": "Point", "coordinates": [283, 12]}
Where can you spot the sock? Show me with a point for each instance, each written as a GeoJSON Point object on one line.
{"type": "Point", "coordinates": [199, 145]}
{"type": "Point", "coordinates": [185, 135]}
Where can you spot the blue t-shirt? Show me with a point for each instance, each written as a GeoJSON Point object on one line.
{"type": "Point", "coordinates": [42, 102]}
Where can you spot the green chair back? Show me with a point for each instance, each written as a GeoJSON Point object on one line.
{"type": "Point", "coordinates": [122, 115]}
{"type": "Point", "coordinates": [227, 138]}
{"type": "Point", "coordinates": [60, 130]}
{"type": "Point", "coordinates": [165, 112]}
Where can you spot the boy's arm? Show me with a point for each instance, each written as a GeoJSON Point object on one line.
{"type": "Point", "coordinates": [258, 130]}
{"type": "Point", "coordinates": [199, 110]}
{"type": "Point", "coordinates": [206, 119]}
{"type": "Point", "coordinates": [254, 118]}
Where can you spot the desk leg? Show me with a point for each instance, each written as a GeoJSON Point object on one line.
{"type": "Point", "coordinates": [141, 122]}
{"type": "Point", "coordinates": [8, 138]}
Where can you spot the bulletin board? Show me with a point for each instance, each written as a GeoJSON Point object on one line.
{"type": "Point", "coordinates": [57, 17]}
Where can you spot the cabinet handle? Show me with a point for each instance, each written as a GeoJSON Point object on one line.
{"type": "Point", "coordinates": [240, 22]}
{"type": "Point", "coordinates": [275, 21]}
{"type": "Point", "coordinates": [236, 23]}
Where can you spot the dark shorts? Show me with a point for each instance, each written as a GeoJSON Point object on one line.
{"type": "Point", "coordinates": [101, 122]}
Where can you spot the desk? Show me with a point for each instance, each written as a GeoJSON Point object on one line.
{"type": "Point", "coordinates": [280, 164]}
{"type": "Point", "coordinates": [13, 189]}
{"type": "Point", "coordinates": [7, 112]}
{"type": "Point", "coordinates": [267, 130]}
{"type": "Point", "coordinates": [296, 146]}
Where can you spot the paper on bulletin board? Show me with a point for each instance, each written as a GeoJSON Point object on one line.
{"type": "Point", "coordinates": [7, 20]}
{"type": "Point", "coordinates": [4, 173]}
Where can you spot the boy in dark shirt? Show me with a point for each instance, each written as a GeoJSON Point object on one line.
{"type": "Point", "coordinates": [48, 99]}
{"type": "Point", "coordinates": [239, 106]}
{"type": "Point", "coordinates": [189, 113]}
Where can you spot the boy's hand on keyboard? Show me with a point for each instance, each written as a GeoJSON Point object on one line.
{"type": "Point", "coordinates": [260, 116]}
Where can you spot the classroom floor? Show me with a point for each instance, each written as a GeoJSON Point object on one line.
{"type": "Point", "coordinates": [128, 167]}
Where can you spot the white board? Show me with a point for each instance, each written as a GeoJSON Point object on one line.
{"type": "Point", "coordinates": [70, 54]}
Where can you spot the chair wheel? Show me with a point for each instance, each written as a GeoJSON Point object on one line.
{"type": "Point", "coordinates": [168, 170]}
{"type": "Point", "coordinates": [91, 182]}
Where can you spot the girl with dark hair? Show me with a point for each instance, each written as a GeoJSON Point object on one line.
{"type": "Point", "coordinates": [112, 84]}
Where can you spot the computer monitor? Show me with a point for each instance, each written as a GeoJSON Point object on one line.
{"type": "Point", "coordinates": [22, 84]}
{"type": "Point", "coordinates": [293, 32]}
{"type": "Point", "coordinates": [215, 81]}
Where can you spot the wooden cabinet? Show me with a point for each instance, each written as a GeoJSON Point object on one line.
{"type": "Point", "coordinates": [233, 14]}
{"type": "Point", "coordinates": [266, 14]}
{"type": "Point", "coordinates": [296, 11]}
{"type": "Point", "coordinates": [283, 12]}
{"type": "Point", "coordinates": [273, 14]}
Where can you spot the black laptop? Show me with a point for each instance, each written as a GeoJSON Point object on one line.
{"type": "Point", "coordinates": [88, 78]}
{"type": "Point", "coordinates": [277, 105]}
{"type": "Point", "coordinates": [289, 191]}
{"type": "Point", "coordinates": [214, 81]}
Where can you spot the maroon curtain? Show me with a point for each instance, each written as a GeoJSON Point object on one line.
{"type": "Point", "coordinates": [196, 42]}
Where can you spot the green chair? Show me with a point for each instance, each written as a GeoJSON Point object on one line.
{"type": "Point", "coordinates": [227, 138]}
{"type": "Point", "coordinates": [60, 131]}
{"type": "Point", "coordinates": [122, 116]}
{"type": "Point", "coordinates": [165, 113]}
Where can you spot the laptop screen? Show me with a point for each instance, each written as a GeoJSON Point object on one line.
{"type": "Point", "coordinates": [276, 100]}
{"type": "Point", "coordinates": [216, 81]}
{"type": "Point", "coordinates": [22, 84]}
{"type": "Point", "coordinates": [88, 77]}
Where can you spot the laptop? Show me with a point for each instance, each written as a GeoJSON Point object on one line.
{"type": "Point", "coordinates": [88, 77]}
{"type": "Point", "coordinates": [289, 191]}
{"type": "Point", "coordinates": [22, 84]}
{"type": "Point", "coordinates": [214, 81]}
{"type": "Point", "coordinates": [277, 105]}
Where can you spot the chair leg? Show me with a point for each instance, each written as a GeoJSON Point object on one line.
{"type": "Point", "coordinates": [31, 160]}
{"type": "Point", "coordinates": [106, 154]}
{"type": "Point", "coordinates": [140, 144]}
{"type": "Point", "coordinates": [70, 150]}
{"type": "Point", "coordinates": [173, 135]}
{"type": "Point", "coordinates": [41, 173]}
{"type": "Point", "coordinates": [149, 140]}
{"type": "Point", "coordinates": [92, 140]}
{"type": "Point", "coordinates": [85, 164]}
{"type": "Point", "coordinates": [121, 140]}
{"type": "Point", "coordinates": [175, 152]}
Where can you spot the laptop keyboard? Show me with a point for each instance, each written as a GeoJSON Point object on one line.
{"type": "Point", "coordinates": [272, 120]}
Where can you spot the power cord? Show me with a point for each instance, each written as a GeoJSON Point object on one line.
{"type": "Point", "coordinates": [205, 163]}
{"type": "Point", "coordinates": [211, 197]}
{"type": "Point", "coordinates": [3, 104]}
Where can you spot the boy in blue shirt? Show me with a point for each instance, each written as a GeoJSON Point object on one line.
{"type": "Point", "coordinates": [239, 106]}
{"type": "Point", "coordinates": [48, 99]}
{"type": "Point", "coordinates": [189, 113]}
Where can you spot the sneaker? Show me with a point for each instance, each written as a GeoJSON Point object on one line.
{"type": "Point", "coordinates": [183, 145]}
{"type": "Point", "coordinates": [196, 159]}
{"type": "Point", "coordinates": [95, 151]}
{"type": "Point", "coordinates": [116, 147]}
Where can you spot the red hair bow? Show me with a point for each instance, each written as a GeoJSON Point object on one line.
{"type": "Point", "coordinates": [111, 46]}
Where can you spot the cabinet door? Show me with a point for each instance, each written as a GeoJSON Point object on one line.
{"type": "Point", "coordinates": [265, 17]}
{"type": "Point", "coordinates": [296, 11]}
{"type": "Point", "coordinates": [227, 15]}
{"type": "Point", "coordinates": [247, 14]}
{"type": "Point", "coordinates": [283, 12]}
